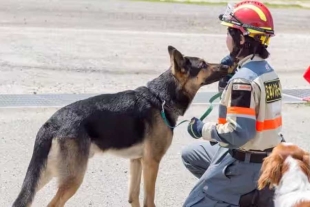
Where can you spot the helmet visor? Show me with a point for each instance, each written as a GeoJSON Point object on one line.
{"type": "Point", "coordinates": [228, 15]}
{"type": "Point", "coordinates": [229, 10]}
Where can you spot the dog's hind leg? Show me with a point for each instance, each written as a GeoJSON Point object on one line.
{"type": "Point", "coordinates": [50, 171]}
{"type": "Point", "coordinates": [37, 173]}
{"type": "Point", "coordinates": [135, 180]}
{"type": "Point", "coordinates": [72, 164]}
{"type": "Point", "coordinates": [46, 177]}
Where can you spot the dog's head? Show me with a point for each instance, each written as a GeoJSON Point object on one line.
{"type": "Point", "coordinates": [194, 72]}
{"type": "Point", "coordinates": [283, 157]}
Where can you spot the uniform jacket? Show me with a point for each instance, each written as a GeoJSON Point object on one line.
{"type": "Point", "coordinates": [250, 108]}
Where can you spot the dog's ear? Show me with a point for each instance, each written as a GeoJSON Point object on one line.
{"type": "Point", "coordinates": [171, 49]}
{"type": "Point", "coordinates": [177, 60]}
{"type": "Point", "coordinates": [306, 165]}
{"type": "Point", "coordinates": [271, 171]}
{"type": "Point", "coordinates": [306, 159]}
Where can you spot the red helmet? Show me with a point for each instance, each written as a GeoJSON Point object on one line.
{"type": "Point", "coordinates": [252, 18]}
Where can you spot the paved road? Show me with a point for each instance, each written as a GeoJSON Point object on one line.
{"type": "Point", "coordinates": [105, 183]}
{"type": "Point", "coordinates": [81, 46]}
{"type": "Point", "coordinates": [85, 47]}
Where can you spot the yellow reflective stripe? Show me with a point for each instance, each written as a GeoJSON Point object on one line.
{"type": "Point", "coordinates": [260, 13]}
{"type": "Point", "coordinates": [227, 24]}
{"type": "Point", "coordinates": [254, 32]}
{"type": "Point", "coordinates": [267, 28]}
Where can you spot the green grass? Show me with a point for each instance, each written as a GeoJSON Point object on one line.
{"type": "Point", "coordinates": [185, 2]}
{"type": "Point", "coordinates": [271, 5]}
{"type": "Point", "coordinates": [285, 6]}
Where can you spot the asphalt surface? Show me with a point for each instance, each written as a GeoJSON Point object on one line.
{"type": "Point", "coordinates": [103, 46]}
{"type": "Point", "coordinates": [105, 183]}
{"type": "Point", "coordinates": [77, 46]}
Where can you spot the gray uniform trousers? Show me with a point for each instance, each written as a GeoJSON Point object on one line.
{"type": "Point", "coordinates": [222, 179]}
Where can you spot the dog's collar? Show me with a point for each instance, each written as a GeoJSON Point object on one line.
{"type": "Point", "coordinates": [163, 115]}
{"type": "Point", "coordinates": [163, 103]}
{"type": "Point", "coordinates": [162, 112]}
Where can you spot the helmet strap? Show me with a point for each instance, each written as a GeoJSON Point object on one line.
{"type": "Point", "coordinates": [257, 42]}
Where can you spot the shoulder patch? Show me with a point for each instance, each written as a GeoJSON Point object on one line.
{"type": "Point", "coordinates": [273, 91]}
{"type": "Point", "coordinates": [241, 87]}
{"type": "Point", "coordinates": [241, 95]}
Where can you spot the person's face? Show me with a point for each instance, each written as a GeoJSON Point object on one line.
{"type": "Point", "coordinates": [230, 41]}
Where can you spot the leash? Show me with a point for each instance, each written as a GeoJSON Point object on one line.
{"type": "Point", "coordinates": [208, 111]}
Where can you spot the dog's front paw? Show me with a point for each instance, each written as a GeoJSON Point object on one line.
{"type": "Point", "coordinates": [134, 203]}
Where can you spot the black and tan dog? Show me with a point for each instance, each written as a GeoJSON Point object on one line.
{"type": "Point", "coordinates": [127, 123]}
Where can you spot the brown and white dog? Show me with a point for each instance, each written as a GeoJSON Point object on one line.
{"type": "Point", "coordinates": [287, 169]}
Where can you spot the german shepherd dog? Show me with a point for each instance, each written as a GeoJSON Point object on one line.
{"type": "Point", "coordinates": [127, 123]}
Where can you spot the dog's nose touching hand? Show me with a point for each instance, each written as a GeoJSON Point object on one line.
{"type": "Point", "coordinates": [224, 67]}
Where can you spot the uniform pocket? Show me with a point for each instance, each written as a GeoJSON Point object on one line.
{"type": "Point", "coordinates": [228, 180]}
{"type": "Point", "coordinates": [231, 170]}
{"type": "Point", "coordinates": [241, 177]}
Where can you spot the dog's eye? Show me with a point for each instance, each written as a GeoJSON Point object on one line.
{"type": "Point", "coordinates": [203, 65]}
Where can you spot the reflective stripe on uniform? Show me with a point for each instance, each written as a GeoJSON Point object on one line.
{"type": "Point", "coordinates": [240, 110]}
{"type": "Point", "coordinates": [269, 124]}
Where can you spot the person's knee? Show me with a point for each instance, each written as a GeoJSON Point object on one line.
{"type": "Point", "coordinates": [187, 154]}
{"type": "Point", "coordinates": [191, 160]}
{"type": "Point", "coordinates": [197, 152]}
{"type": "Point", "coordinates": [188, 159]}
{"type": "Point", "coordinates": [197, 157]}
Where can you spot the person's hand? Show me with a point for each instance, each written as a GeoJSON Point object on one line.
{"type": "Point", "coordinates": [194, 128]}
{"type": "Point", "coordinates": [223, 82]}
{"type": "Point", "coordinates": [227, 60]}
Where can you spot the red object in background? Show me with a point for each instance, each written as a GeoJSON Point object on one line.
{"type": "Point", "coordinates": [307, 75]}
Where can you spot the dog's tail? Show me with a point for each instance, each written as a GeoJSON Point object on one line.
{"type": "Point", "coordinates": [36, 166]}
